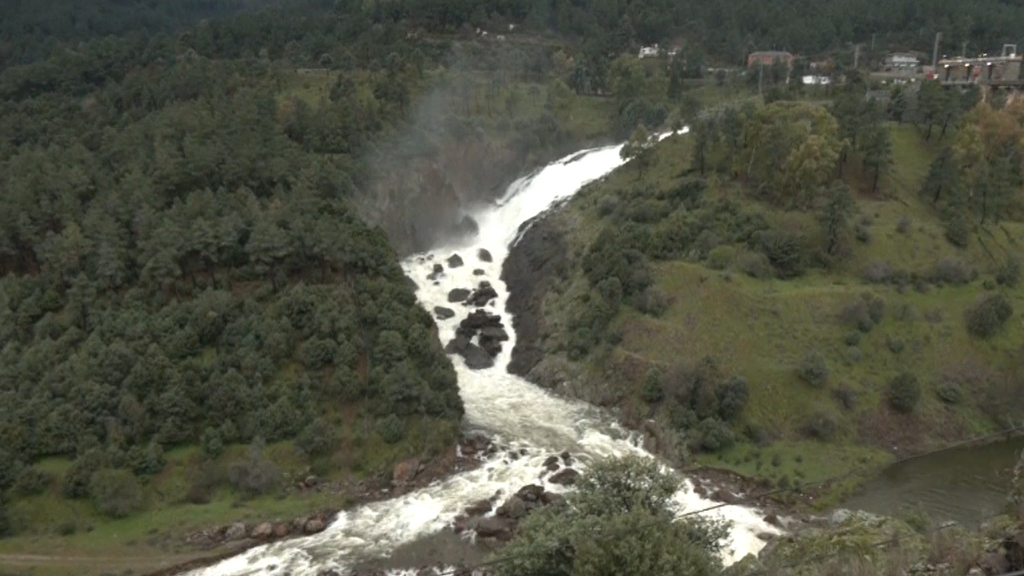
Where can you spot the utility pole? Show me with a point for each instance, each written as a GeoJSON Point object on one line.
{"type": "Point", "coordinates": [856, 55]}
{"type": "Point", "coordinates": [935, 51]}
{"type": "Point", "coordinates": [872, 43]}
{"type": "Point", "coordinates": [963, 49]}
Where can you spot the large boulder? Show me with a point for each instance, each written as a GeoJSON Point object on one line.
{"type": "Point", "coordinates": [443, 313]}
{"type": "Point", "coordinates": [530, 492]}
{"type": "Point", "coordinates": [478, 272]}
{"type": "Point", "coordinates": [236, 531]}
{"type": "Point", "coordinates": [482, 295]}
{"type": "Point", "coordinates": [514, 508]}
{"type": "Point", "coordinates": [552, 463]}
{"type": "Point", "coordinates": [458, 295]}
{"type": "Point", "coordinates": [314, 525]}
{"type": "Point", "coordinates": [484, 255]}
{"type": "Point", "coordinates": [281, 530]}
{"type": "Point", "coordinates": [480, 319]}
{"type": "Point", "coordinates": [454, 261]}
{"type": "Point", "coordinates": [264, 530]}
{"type": "Point", "coordinates": [479, 508]}
{"type": "Point", "coordinates": [477, 358]}
{"type": "Point", "coordinates": [494, 527]}
{"type": "Point", "coordinates": [565, 477]}
{"type": "Point", "coordinates": [405, 471]}
{"type": "Point", "coordinates": [457, 345]}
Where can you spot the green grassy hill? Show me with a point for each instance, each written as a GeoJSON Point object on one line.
{"type": "Point", "coordinates": [761, 329]}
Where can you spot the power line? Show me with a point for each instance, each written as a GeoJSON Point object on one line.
{"type": "Point", "coordinates": [756, 497]}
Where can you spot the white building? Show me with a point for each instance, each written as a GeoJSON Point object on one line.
{"type": "Point", "coordinates": [649, 51]}
{"type": "Point", "coordinates": [901, 63]}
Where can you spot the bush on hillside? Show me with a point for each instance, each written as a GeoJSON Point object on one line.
{"type": "Point", "coordinates": [813, 369]}
{"type": "Point", "coordinates": [1009, 273]}
{"type": "Point", "coordinates": [712, 435]}
{"type": "Point", "coordinates": [391, 429]}
{"type": "Point", "coordinates": [876, 272]}
{"type": "Point", "coordinates": [852, 338]}
{"type": "Point", "coordinates": [721, 258]}
{"type": "Point", "coordinates": [821, 425]}
{"type": "Point", "coordinates": [116, 493]}
{"type": "Point", "coordinates": [904, 392]}
{"type": "Point", "coordinates": [783, 250]}
{"type": "Point", "coordinates": [254, 475]}
{"type": "Point", "coordinates": [846, 397]}
{"type": "Point", "coordinates": [950, 392]}
{"type": "Point", "coordinates": [876, 307]}
{"type": "Point", "coordinates": [32, 481]}
{"type": "Point", "coordinates": [652, 392]}
{"type": "Point", "coordinates": [732, 397]}
{"type": "Point", "coordinates": [904, 225]}
{"type": "Point", "coordinates": [951, 271]}
{"type": "Point", "coordinates": [317, 438]}
{"type": "Point", "coordinates": [651, 301]}
{"type": "Point", "coordinates": [988, 315]}
{"type": "Point", "coordinates": [211, 443]}
{"type": "Point", "coordinates": [755, 265]}
{"type": "Point", "coordinates": [856, 315]}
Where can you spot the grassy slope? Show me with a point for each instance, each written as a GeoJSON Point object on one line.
{"type": "Point", "coordinates": [760, 329]}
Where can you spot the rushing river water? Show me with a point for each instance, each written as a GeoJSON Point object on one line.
{"type": "Point", "coordinates": [515, 412]}
{"type": "Point", "coordinates": [966, 485]}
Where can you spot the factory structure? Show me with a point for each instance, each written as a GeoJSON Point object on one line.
{"type": "Point", "coordinates": [985, 70]}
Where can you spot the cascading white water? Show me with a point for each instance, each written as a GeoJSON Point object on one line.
{"type": "Point", "coordinates": [518, 414]}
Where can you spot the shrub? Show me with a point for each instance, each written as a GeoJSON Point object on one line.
{"type": "Point", "coordinates": [856, 315]}
{"type": "Point", "coordinates": [1009, 274]}
{"type": "Point", "coordinates": [958, 232]}
{"type": "Point", "coordinates": [813, 369]}
{"type": "Point", "coordinates": [652, 391]}
{"type": "Point", "coordinates": [391, 429]}
{"type": "Point", "coordinates": [904, 392]}
{"type": "Point", "coordinates": [783, 251]}
{"type": "Point", "coordinates": [712, 434]}
{"type": "Point", "coordinates": [317, 438]}
{"type": "Point", "coordinates": [732, 397]}
{"type": "Point", "coordinates": [988, 315]}
{"type": "Point", "coordinates": [846, 397]}
{"type": "Point", "coordinates": [950, 271]}
{"type": "Point", "coordinates": [211, 443]}
{"type": "Point", "coordinates": [254, 474]}
{"type": "Point", "coordinates": [202, 485]}
{"type": "Point", "coordinates": [904, 225]}
{"type": "Point", "coordinates": [876, 308]}
{"type": "Point", "coordinates": [755, 265]}
{"type": "Point", "coordinates": [876, 272]}
{"type": "Point", "coordinates": [606, 205]}
{"type": "Point", "coordinates": [950, 392]}
{"type": "Point", "coordinates": [852, 338]}
{"type": "Point", "coordinates": [853, 355]}
{"type": "Point", "coordinates": [721, 257]}
{"type": "Point", "coordinates": [862, 234]}
{"type": "Point", "coordinates": [146, 461]}
{"type": "Point", "coordinates": [821, 425]}
{"type": "Point", "coordinates": [32, 481]}
{"type": "Point", "coordinates": [116, 492]}
{"type": "Point", "coordinates": [316, 353]}
{"type": "Point", "coordinates": [651, 301]}
{"type": "Point", "coordinates": [896, 344]}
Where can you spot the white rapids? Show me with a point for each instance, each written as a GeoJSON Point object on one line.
{"type": "Point", "coordinates": [516, 413]}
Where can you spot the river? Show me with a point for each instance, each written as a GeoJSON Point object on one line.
{"type": "Point", "coordinates": [513, 411]}
{"type": "Point", "coordinates": [965, 485]}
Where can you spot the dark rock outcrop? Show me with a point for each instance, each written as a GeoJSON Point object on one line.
{"type": "Point", "coordinates": [552, 463]}
{"type": "Point", "coordinates": [482, 295]}
{"type": "Point", "coordinates": [484, 255]}
{"type": "Point", "coordinates": [494, 527]}
{"type": "Point", "coordinates": [454, 261]}
{"type": "Point", "coordinates": [443, 313]}
{"type": "Point", "coordinates": [565, 477]}
{"type": "Point", "coordinates": [478, 272]}
{"type": "Point", "coordinates": [458, 295]}
{"type": "Point", "coordinates": [533, 266]}
{"type": "Point", "coordinates": [477, 358]}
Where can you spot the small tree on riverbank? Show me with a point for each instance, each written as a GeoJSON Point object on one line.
{"type": "Point", "coordinates": [638, 150]}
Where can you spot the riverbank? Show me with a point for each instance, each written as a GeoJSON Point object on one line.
{"type": "Point", "coordinates": [728, 319]}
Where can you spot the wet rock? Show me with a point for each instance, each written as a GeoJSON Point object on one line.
{"type": "Point", "coordinates": [494, 333]}
{"type": "Point", "coordinates": [773, 519]}
{"type": "Point", "coordinates": [482, 295]}
{"type": "Point", "coordinates": [467, 227]}
{"type": "Point", "coordinates": [281, 530]}
{"type": "Point", "coordinates": [476, 357]}
{"type": "Point", "coordinates": [478, 272]}
{"type": "Point", "coordinates": [514, 508]}
{"type": "Point", "coordinates": [530, 492]}
{"type": "Point", "coordinates": [313, 526]}
{"type": "Point", "coordinates": [457, 345]}
{"type": "Point", "coordinates": [494, 527]}
{"type": "Point", "coordinates": [443, 313]}
{"type": "Point", "coordinates": [458, 295]}
{"type": "Point", "coordinates": [264, 530]}
{"type": "Point", "coordinates": [454, 261]}
{"type": "Point", "coordinates": [438, 269]}
{"type": "Point", "coordinates": [723, 495]}
{"type": "Point", "coordinates": [405, 471]}
{"type": "Point", "coordinates": [479, 509]}
{"type": "Point", "coordinates": [236, 531]}
{"type": "Point", "coordinates": [478, 320]}
{"type": "Point", "coordinates": [551, 499]}
{"type": "Point", "coordinates": [565, 477]}
{"type": "Point", "coordinates": [484, 255]}
{"type": "Point", "coordinates": [552, 463]}
{"type": "Point", "coordinates": [994, 563]}
{"type": "Point", "coordinates": [460, 524]}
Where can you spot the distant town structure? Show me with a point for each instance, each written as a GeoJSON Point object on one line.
{"type": "Point", "coordinates": [901, 63]}
{"type": "Point", "coordinates": [649, 51]}
{"type": "Point", "coordinates": [1003, 70]}
{"type": "Point", "coordinates": [769, 58]}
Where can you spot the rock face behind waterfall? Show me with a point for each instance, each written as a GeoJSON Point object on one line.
{"type": "Point", "coordinates": [533, 266]}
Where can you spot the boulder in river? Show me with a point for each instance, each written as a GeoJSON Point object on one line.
{"type": "Point", "coordinates": [264, 530]}
{"type": "Point", "coordinates": [458, 295]}
{"type": "Point", "coordinates": [551, 463]}
{"type": "Point", "coordinates": [438, 269]}
{"type": "Point", "coordinates": [313, 526]}
{"type": "Point", "coordinates": [477, 358]}
{"type": "Point", "coordinates": [484, 255]}
{"type": "Point", "coordinates": [235, 532]}
{"type": "Point", "coordinates": [530, 492]}
{"type": "Point", "coordinates": [494, 527]}
{"type": "Point", "coordinates": [480, 319]}
{"type": "Point", "coordinates": [454, 261]}
{"type": "Point", "coordinates": [457, 345]}
{"type": "Point", "coordinates": [405, 471]}
{"type": "Point", "coordinates": [482, 295]}
{"type": "Point", "coordinates": [443, 313]}
{"type": "Point", "coordinates": [514, 508]}
{"type": "Point", "coordinates": [479, 508]}
{"type": "Point", "coordinates": [566, 477]}
{"type": "Point", "coordinates": [478, 272]}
